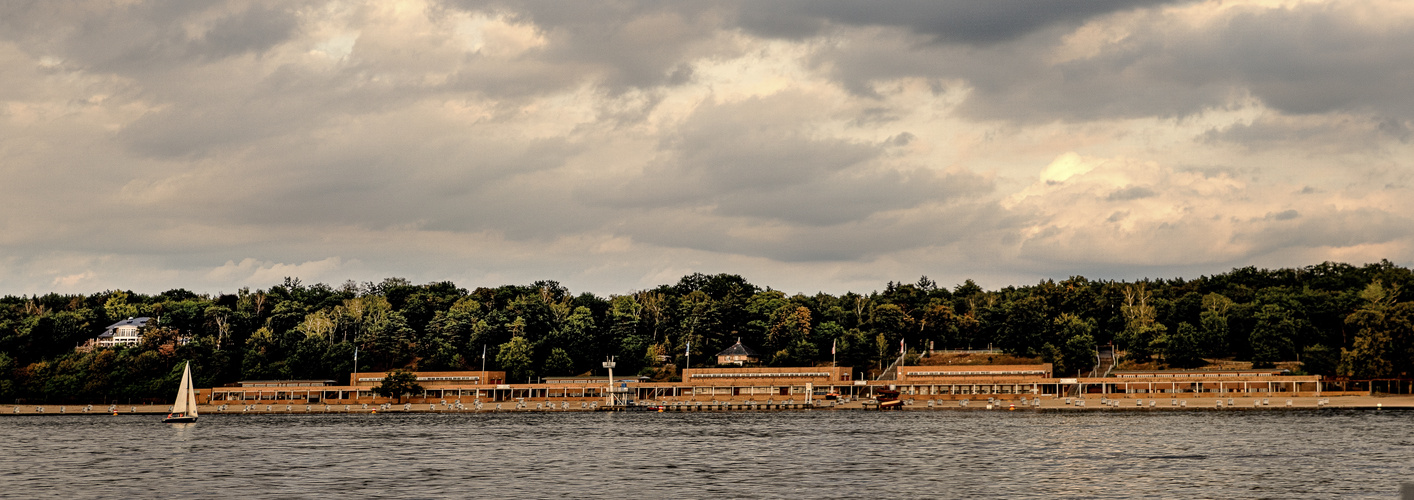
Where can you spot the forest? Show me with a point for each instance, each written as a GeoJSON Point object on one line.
{"type": "Point", "coordinates": [1333, 319]}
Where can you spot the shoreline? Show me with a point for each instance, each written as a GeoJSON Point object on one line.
{"type": "Point", "coordinates": [1047, 405]}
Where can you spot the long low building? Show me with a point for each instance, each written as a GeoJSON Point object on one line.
{"type": "Point", "coordinates": [762, 384]}
{"type": "Point", "coordinates": [1172, 382]}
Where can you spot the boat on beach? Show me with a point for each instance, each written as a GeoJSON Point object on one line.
{"type": "Point", "coordinates": [184, 409]}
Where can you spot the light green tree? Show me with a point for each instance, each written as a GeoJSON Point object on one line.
{"type": "Point", "coordinates": [516, 357]}
{"type": "Point", "coordinates": [1141, 327]}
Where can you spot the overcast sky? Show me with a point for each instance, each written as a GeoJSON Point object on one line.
{"type": "Point", "coordinates": [612, 146]}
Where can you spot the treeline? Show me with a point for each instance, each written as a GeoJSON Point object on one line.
{"type": "Point", "coordinates": [1336, 319]}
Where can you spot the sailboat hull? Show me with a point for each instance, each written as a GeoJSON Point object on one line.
{"type": "Point", "coordinates": [179, 420]}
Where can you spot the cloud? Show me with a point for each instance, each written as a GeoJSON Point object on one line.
{"type": "Point", "coordinates": [207, 144]}
{"type": "Point", "coordinates": [1186, 218]}
{"type": "Point", "coordinates": [138, 39]}
{"type": "Point", "coordinates": [952, 21]}
{"type": "Point", "coordinates": [72, 281]}
{"type": "Point", "coordinates": [261, 273]}
{"type": "Point", "coordinates": [1178, 60]}
{"type": "Point", "coordinates": [1334, 133]}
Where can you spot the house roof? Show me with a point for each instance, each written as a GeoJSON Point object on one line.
{"type": "Point", "coordinates": [138, 322]}
{"type": "Point", "coordinates": [113, 328]}
{"type": "Point", "coordinates": [738, 350]}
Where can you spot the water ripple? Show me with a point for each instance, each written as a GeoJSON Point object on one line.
{"type": "Point", "coordinates": [739, 455]}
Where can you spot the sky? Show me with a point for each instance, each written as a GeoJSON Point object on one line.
{"type": "Point", "coordinates": [613, 146]}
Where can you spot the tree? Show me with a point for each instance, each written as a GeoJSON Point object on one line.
{"type": "Point", "coordinates": [7, 386]}
{"type": "Point", "coordinates": [1212, 333]}
{"type": "Point", "coordinates": [559, 362]}
{"type": "Point", "coordinates": [791, 327]}
{"type": "Point", "coordinates": [1079, 353]}
{"type": "Point", "coordinates": [516, 357]}
{"type": "Point", "coordinates": [1272, 338]}
{"type": "Point", "coordinates": [1319, 360]}
{"type": "Point", "coordinates": [890, 321]}
{"type": "Point", "coordinates": [1382, 335]}
{"type": "Point", "coordinates": [1052, 354]}
{"type": "Point", "coordinates": [1078, 349]}
{"type": "Point", "coordinates": [1141, 327]}
{"type": "Point", "coordinates": [939, 324]}
{"type": "Point", "coordinates": [1213, 325]}
{"type": "Point", "coordinates": [118, 308]}
{"type": "Point", "coordinates": [1183, 350]}
{"type": "Point", "coordinates": [398, 383]}
{"type": "Point", "coordinates": [700, 324]}
{"type": "Point", "coordinates": [388, 339]}
{"type": "Point", "coordinates": [1024, 326]}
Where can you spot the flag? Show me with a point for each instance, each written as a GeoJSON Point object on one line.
{"type": "Point", "coordinates": [832, 346]}
{"type": "Point", "coordinates": [900, 347]}
{"type": "Point", "coordinates": [688, 351]}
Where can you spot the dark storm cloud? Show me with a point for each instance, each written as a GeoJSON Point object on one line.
{"type": "Point", "coordinates": [951, 21]}
{"type": "Point", "coordinates": [1313, 59]}
{"type": "Point", "coordinates": [255, 30]}
{"type": "Point", "coordinates": [637, 44]}
{"type": "Point", "coordinates": [1304, 59]}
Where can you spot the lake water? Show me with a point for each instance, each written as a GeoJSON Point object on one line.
{"type": "Point", "coordinates": [918, 454]}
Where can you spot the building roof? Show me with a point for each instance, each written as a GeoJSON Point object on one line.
{"type": "Point", "coordinates": [113, 328]}
{"type": "Point", "coordinates": [285, 383]}
{"type": "Point", "coordinates": [738, 349]}
{"type": "Point", "coordinates": [1201, 373]}
{"type": "Point", "coordinates": [138, 322]}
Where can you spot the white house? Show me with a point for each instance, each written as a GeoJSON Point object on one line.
{"type": "Point", "coordinates": [127, 332]}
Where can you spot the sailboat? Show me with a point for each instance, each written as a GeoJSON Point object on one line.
{"type": "Point", "coordinates": [184, 410]}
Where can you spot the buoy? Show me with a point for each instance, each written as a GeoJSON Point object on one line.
{"type": "Point", "coordinates": [375, 411]}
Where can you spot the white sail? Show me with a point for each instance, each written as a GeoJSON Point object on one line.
{"type": "Point", "coordinates": [186, 401]}
{"type": "Point", "coordinates": [191, 392]}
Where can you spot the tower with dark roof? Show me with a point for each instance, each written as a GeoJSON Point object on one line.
{"type": "Point", "coordinates": [738, 354]}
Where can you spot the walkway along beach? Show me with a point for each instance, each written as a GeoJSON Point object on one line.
{"type": "Point", "coordinates": [920, 388]}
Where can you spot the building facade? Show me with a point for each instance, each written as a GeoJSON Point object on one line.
{"type": "Point", "coordinates": [750, 385]}
{"type": "Point", "coordinates": [127, 332]}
